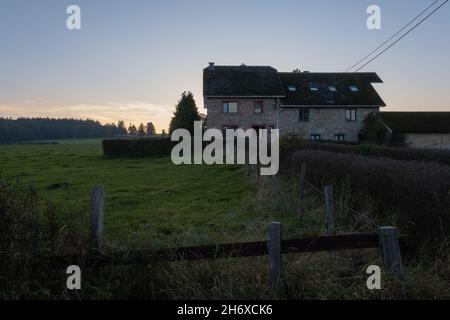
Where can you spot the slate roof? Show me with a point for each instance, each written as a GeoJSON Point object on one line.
{"type": "Point", "coordinates": [241, 81]}
{"type": "Point", "coordinates": [417, 122]}
{"type": "Point", "coordinates": [303, 95]}
{"type": "Point", "coordinates": [265, 81]}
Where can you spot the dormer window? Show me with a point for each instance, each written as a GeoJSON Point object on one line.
{"type": "Point", "coordinates": [292, 88]}
{"type": "Point", "coordinates": [332, 89]}
{"type": "Point", "coordinates": [354, 88]}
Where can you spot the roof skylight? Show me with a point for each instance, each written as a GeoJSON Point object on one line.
{"type": "Point", "coordinates": [354, 88]}
{"type": "Point", "coordinates": [292, 88]}
{"type": "Point", "coordinates": [332, 88]}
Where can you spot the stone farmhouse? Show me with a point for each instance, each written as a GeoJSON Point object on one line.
{"type": "Point", "coordinates": [317, 106]}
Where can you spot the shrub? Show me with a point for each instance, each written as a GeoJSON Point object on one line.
{"type": "Point", "coordinates": [374, 129]}
{"type": "Point", "coordinates": [415, 196]}
{"type": "Point", "coordinates": [291, 144]}
{"type": "Point", "coordinates": [137, 147]}
{"type": "Point", "coordinates": [30, 229]}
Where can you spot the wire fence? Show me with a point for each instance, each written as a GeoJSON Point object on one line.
{"type": "Point", "coordinates": [321, 193]}
{"type": "Point", "coordinates": [337, 202]}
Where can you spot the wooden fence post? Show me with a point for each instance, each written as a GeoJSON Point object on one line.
{"type": "Point", "coordinates": [258, 170]}
{"type": "Point", "coordinates": [96, 220]}
{"type": "Point", "coordinates": [301, 195]}
{"type": "Point", "coordinates": [275, 256]}
{"type": "Point", "coordinates": [329, 204]}
{"type": "Point", "coordinates": [274, 181]}
{"type": "Point", "coordinates": [390, 249]}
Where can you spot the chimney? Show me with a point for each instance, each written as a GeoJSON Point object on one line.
{"type": "Point", "coordinates": [211, 65]}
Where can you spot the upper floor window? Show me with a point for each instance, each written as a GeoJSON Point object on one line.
{"type": "Point", "coordinates": [230, 107]}
{"type": "Point", "coordinates": [313, 87]}
{"type": "Point", "coordinates": [351, 114]}
{"type": "Point", "coordinates": [292, 88]}
{"type": "Point", "coordinates": [258, 107]}
{"type": "Point", "coordinates": [303, 114]}
{"type": "Point", "coordinates": [315, 137]}
{"type": "Point", "coordinates": [354, 88]}
{"type": "Point", "coordinates": [332, 88]}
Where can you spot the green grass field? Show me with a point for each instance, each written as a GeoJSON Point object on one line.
{"type": "Point", "coordinates": [148, 200]}
{"type": "Point", "coordinates": [151, 202]}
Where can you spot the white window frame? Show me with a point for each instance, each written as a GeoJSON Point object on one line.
{"type": "Point", "coordinates": [350, 114]}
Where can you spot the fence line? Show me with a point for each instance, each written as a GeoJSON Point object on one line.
{"type": "Point", "coordinates": [388, 236]}
{"type": "Point", "coordinates": [353, 211]}
{"type": "Point", "coordinates": [218, 251]}
{"type": "Point", "coordinates": [274, 247]}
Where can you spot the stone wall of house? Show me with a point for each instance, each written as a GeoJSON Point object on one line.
{"type": "Point", "coordinates": [245, 117]}
{"type": "Point", "coordinates": [428, 140]}
{"type": "Point", "coordinates": [327, 122]}
{"type": "Point", "coordinates": [324, 121]}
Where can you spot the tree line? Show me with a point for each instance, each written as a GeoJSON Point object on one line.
{"type": "Point", "coordinates": [32, 129]}
{"type": "Point", "coordinates": [141, 130]}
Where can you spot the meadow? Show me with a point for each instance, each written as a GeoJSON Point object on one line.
{"type": "Point", "coordinates": [147, 200]}
{"type": "Point", "coordinates": [151, 203]}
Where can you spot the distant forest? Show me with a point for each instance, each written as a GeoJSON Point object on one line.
{"type": "Point", "coordinates": [27, 129]}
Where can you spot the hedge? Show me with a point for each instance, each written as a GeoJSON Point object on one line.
{"type": "Point", "coordinates": [289, 145]}
{"type": "Point", "coordinates": [413, 195]}
{"type": "Point", "coordinates": [130, 148]}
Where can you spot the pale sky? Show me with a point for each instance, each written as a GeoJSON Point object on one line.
{"type": "Point", "coordinates": [132, 59]}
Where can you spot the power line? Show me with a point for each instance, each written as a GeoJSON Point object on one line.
{"type": "Point", "coordinates": [404, 35]}
{"type": "Point", "coordinates": [393, 36]}
{"type": "Point", "coordinates": [379, 54]}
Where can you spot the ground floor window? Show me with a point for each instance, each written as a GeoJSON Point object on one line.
{"type": "Point", "coordinates": [258, 128]}
{"type": "Point", "coordinates": [339, 137]}
{"type": "Point", "coordinates": [315, 136]}
{"type": "Point", "coordinates": [225, 128]}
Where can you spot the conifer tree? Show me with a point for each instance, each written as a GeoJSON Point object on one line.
{"type": "Point", "coordinates": [185, 114]}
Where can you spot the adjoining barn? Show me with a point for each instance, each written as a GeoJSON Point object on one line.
{"type": "Point", "coordinates": [429, 130]}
